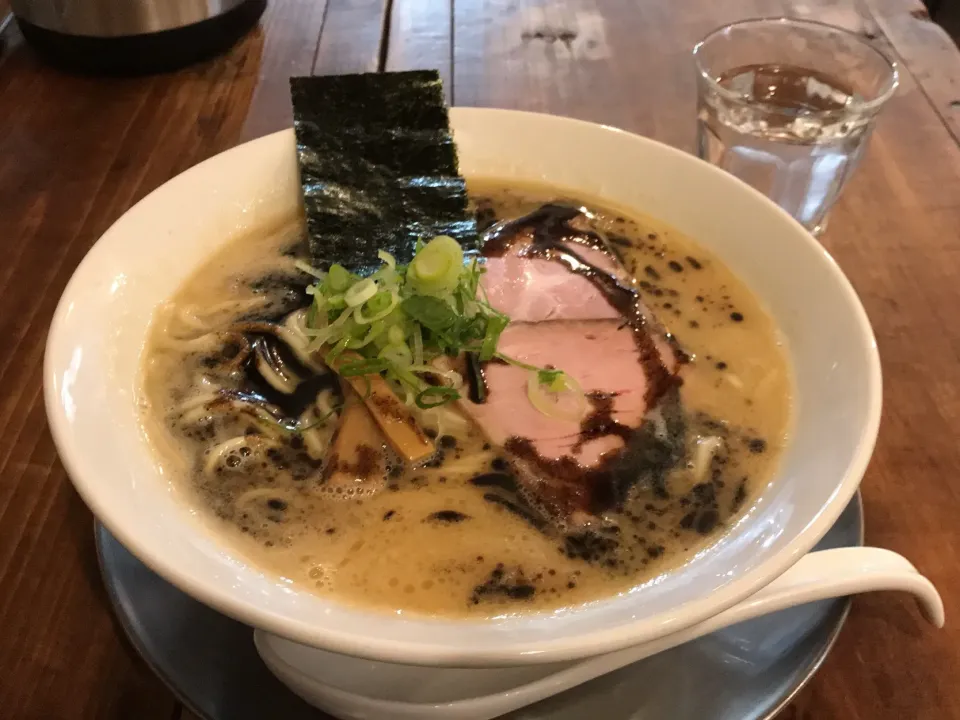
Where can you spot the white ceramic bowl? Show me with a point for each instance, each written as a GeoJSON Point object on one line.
{"type": "Point", "coordinates": [97, 337]}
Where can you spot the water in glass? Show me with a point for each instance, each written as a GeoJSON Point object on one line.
{"type": "Point", "coordinates": [784, 130]}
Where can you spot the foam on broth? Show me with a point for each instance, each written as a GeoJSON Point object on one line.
{"type": "Point", "coordinates": [424, 540]}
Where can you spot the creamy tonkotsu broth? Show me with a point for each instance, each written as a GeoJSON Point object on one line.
{"type": "Point", "coordinates": [429, 539]}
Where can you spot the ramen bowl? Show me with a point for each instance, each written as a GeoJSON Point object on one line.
{"type": "Point", "coordinates": [93, 360]}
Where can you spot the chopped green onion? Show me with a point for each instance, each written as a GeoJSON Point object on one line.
{"type": "Point", "coordinates": [400, 319]}
{"type": "Point", "coordinates": [417, 345]}
{"type": "Point", "coordinates": [321, 336]}
{"type": "Point", "coordinates": [372, 334]}
{"type": "Point", "coordinates": [407, 378]}
{"type": "Point", "coordinates": [433, 313]}
{"type": "Point", "coordinates": [550, 378]}
{"type": "Point", "coordinates": [433, 397]}
{"type": "Point", "coordinates": [358, 293]}
{"type": "Point", "coordinates": [378, 302]}
{"type": "Point", "coordinates": [495, 326]}
{"type": "Point", "coordinates": [381, 305]}
{"type": "Point", "coordinates": [299, 429]}
{"type": "Point", "coordinates": [338, 278]}
{"type": "Point", "coordinates": [397, 353]}
{"type": "Point", "coordinates": [387, 259]}
{"type": "Point", "coordinates": [309, 270]}
{"type": "Point", "coordinates": [395, 335]}
{"type": "Point", "coordinates": [337, 349]}
{"type": "Point", "coordinates": [517, 363]}
{"type": "Point", "coordinates": [363, 367]}
{"type": "Point", "coordinates": [436, 269]}
{"type": "Point", "coordinates": [568, 404]}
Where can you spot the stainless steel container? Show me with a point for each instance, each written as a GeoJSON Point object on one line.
{"type": "Point", "coordinates": [133, 36]}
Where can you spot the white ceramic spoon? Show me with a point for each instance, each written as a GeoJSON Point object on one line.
{"type": "Point", "coordinates": [355, 689]}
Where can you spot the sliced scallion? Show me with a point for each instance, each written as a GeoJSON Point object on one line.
{"type": "Point", "coordinates": [397, 353]}
{"type": "Point", "coordinates": [568, 404]}
{"type": "Point", "coordinates": [432, 397]}
{"type": "Point", "coordinates": [395, 335]}
{"type": "Point", "coordinates": [436, 269]}
{"type": "Point", "coordinates": [309, 269]}
{"type": "Point", "coordinates": [417, 345]}
{"type": "Point", "coordinates": [381, 305]}
{"type": "Point", "coordinates": [495, 326]}
{"type": "Point", "coordinates": [399, 320]}
{"type": "Point", "coordinates": [338, 278]}
{"type": "Point", "coordinates": [358, 293]}
{"type": "Point", "coordinates": [363, 367]}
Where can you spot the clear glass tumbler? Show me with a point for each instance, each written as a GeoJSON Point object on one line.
{"type": "Point", "coordinates": [787, 106]}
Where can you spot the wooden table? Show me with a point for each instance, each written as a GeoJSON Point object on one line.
{"type": "Point", "coordinates": [75, 153]}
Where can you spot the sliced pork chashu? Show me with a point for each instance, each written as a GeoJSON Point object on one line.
{"type": "Point", "coordinates": [573, 307]}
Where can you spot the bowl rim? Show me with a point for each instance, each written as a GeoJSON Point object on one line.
{"type": "Point", "coordinates": [579, 645]}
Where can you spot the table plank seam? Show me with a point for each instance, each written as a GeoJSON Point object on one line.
{"type": "Point", "coordinates": [316, 48]}
{"type": "Point", "coordinates": [385, 37]}
{"type": "Point", "coordinates": [886, 26]}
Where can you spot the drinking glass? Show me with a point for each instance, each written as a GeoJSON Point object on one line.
{"type": "Point", "coordinates": [787, 106]}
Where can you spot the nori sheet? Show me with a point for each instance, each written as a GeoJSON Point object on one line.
{"type": "Point", "coordinates": [378, 166]}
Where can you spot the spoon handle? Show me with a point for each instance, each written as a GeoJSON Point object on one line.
{"type": "Point", "coordinates": [835, 573]}
{"type": "Point", "coordinates": [816, 576]}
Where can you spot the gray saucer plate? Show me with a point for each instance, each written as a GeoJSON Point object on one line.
{"type": "Point", "coordinates": [745, 672]}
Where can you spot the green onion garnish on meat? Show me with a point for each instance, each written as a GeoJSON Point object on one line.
{"type": "Point", "coordinates": [402, 318]}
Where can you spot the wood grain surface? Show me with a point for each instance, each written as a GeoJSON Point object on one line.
{"type": "Point", "coordinates": [76, 152]}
